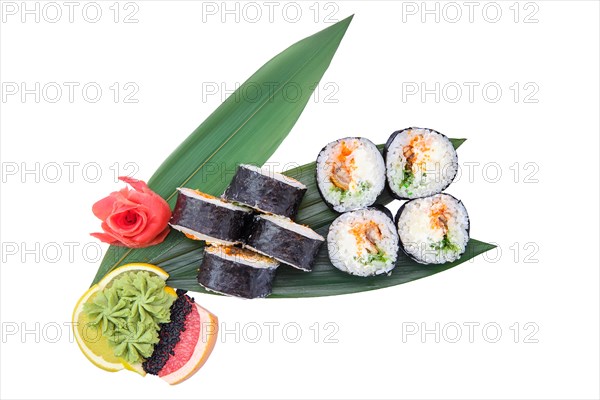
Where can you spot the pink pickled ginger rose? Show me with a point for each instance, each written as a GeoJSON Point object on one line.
{"type": "Point", "coordinates": [133, 218]}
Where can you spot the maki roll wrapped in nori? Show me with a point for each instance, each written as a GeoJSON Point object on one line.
{"type": "Point", "coordinates": [265, 191]}
{"type": "Point", "coordinates": [350, 174]}
{"type": "Point", "coordinates": [237, 272]}
{"type": "Point", "coordinates": [293, 244]}
{"type": "Point", "coordinates": [433, 230]}
{"type": "Point", "coordinates": [363, 242]}
{"type": "Point", "coordinates": [419, 162]}
{"type": "Point", "coordinates": [201, 216]}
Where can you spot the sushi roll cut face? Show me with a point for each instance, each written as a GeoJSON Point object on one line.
{"type": "Point", "coordinates": [281, 238]}
{"type": "Point", "coordinates": [433, 230]}
{"type": "Point", "coordinates": [419, 162]}
{"type": "Point", "coordinates": [363, 242]}
{"type": "Point", "coordinates": [237, 272]}
{"type": "Point", "coordinates": [265, 191]}
{"type": "Point", "coordinates": [350, 174]}
{"type": "Point", "coordinates": [201, 216]}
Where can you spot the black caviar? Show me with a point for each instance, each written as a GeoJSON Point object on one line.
{"type": "Point", "coordinates": [169, 333]}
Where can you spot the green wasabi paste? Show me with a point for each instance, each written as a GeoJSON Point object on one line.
{"type": "Point", "coordinates": [130, 312]}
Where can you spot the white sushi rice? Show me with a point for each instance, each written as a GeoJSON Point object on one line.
{"type": "Point", "coordinates": [367, 177]}
{"type": "Point", "coordinates": [275, 175]}
{"type": "Point", "coordinates": [212, 200]}
{"type": "Point", "coordinates": [348, 254]}
{"type": "Point", "coordinates": [423, 239]}
{"type": "Point", "coordinates": [434, 166]}
{"type": "Point", "coordinates": [242, 256]}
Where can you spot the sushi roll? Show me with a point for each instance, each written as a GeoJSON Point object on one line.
{"type": "Point", "coordinates": [350, 174]}
{"type": "Point", "coordinates": [237, 272]}
{"type": "Point", "coordinates": [419, 162]}
{"type": "Point", "coordinates": [290, 243]}
{"type": "Point", "coordinates": [201, 216]}
{"type": "Point", "coordinates": [363, 242]}
{"type": "Point", "coordinates": [433, 230]}
{"type": "Point", "coordinates": [265, 191]}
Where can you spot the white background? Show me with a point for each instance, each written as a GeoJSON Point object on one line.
{"type": "Point", "coordinates": [545, 223]}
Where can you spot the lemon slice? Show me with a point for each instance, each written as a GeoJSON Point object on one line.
{"type": "Point", "coordinates": [135, 267]}
{"type": "Point", "coordinates": [89, 338]}
{"type": "Point", "coordinates": [137, 368]}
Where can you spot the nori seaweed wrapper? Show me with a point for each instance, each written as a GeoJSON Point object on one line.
{"type": "Point", "coordinates": [399, 214]}
{"type": "Point", "coordinates": [210, 219]}
{"type": "Point", "coordinates": [234, 278]}
{"type": "Point", "coordinates": [264, 193]}
{"type": "Point", "coordinates": [283, 244]}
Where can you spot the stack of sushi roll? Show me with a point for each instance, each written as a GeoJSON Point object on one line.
{"type": "Point", "coordinates": [418, 164]}
{"type": "Point", "coordinates": [281, 238]}
{"type": "Point", "coordinates": [201, 216]}
{"type": "Point", "coordinates": [249, 231]}
{"type": "Point", "coordinates": [272, 232]}
{"type": "Point", "coordinates": [238, 272]}
{"type": "Point", "coordinates": [434, 229]}
{"type": "Point", "coordinates": [433, 226]}
{"type": "Point", "coordinates": [350, 176]}
{"type": "Point", "coordinates": [363, 242]}
{"type": "Point", "coordinates": [266, 192]}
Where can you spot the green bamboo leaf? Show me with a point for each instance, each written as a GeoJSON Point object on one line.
{"type": "Point", "coordinates": [235, 133]}
{"type": "Point", "coordinates": [247, 128]}
{"type": "Point", "coordinates": [325, 279]}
